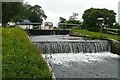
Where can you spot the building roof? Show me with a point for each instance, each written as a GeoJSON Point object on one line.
{"type": "Point", "coordinates": [24, 21]}
{"type": "Point", "coordinates": [27, 22]}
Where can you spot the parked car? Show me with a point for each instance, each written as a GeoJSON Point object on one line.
{"type": "Point", "coordinates": [11, 24]}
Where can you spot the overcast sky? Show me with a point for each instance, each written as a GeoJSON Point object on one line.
{"type": "Point", "coordinates": [64, 8]}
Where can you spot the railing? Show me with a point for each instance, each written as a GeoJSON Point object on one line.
{"type": "Point", "coordinates": [111, 31]}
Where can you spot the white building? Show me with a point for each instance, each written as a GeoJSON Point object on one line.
{"type": "Point", "coordinates": [23, 23]}
{"type": "Point", "coordinates": [26, 24]}
{"type": "Point", "coordinates": [47, 26]}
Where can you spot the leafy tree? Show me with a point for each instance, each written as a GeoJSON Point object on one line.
{"type": "Point", "coordinates": [11, 11]}
{"type": "Point", "coordinates": [33, 13]}
{"type": "Point", "coordinates": [73, 22]}
{"type": "Point", "coordinates": [37, 14]}
{"type": "Point", "coordinates": [62, 20]}
{"type": "Point", "coordinates": [14, 11]}
{"type": "Point", "coordinates": [73, 19]}
{"type": "Point", "coordinates": [116, 25]}
{"type": "Point", "coordinates": [95, 18]}
{"type": "Point", "coordinates": [26, 11]}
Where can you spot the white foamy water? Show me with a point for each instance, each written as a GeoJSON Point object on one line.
{"type": "Point", "coordinates": [72, 60]}
{"type": "Point", "coordinates": [65, 58]}
{"type": "Point", "coordinates": [84, 65]}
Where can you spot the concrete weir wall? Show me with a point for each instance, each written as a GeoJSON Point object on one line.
{"type": "Point", "coordinates": [48, 32]}
{"type": "Point", "coordinates": [115, 47]}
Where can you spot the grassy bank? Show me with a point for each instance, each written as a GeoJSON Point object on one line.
{"type": "Point", "coordinates": [98, 35]}
{"type": "Point", "coordinates": [20, 58]}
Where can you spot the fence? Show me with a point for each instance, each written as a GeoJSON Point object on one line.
{"type": "Point", "coordinates": [111, 31]}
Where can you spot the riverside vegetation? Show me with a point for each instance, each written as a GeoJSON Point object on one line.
{"type": "Point", "coordinates": [20, 58]}
{"type": "Point", "coordinates": [96, 35]}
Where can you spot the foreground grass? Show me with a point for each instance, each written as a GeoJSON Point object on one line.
{"type": "Point", "coordinates": [98, 35]}
{"type": "Point", "coordinates": [20, 57]}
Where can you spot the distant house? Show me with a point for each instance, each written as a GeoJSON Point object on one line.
{"type": "Point", "coordinates": [24, 23]}
{"type": "Point", "coordinates": [47, 26]}
{"type": "Point", "coordinates": [27, 24]}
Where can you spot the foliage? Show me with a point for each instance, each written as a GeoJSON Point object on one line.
{"type": "Point", "coordinates": [62, 20]}
{"type": "Point", "coordinates": [73, 19]}
{"type": "Point", "coordinates": [20, 58]}
{"type": "Point", "coordinates": [95, 18]}
{"type": "Point", "coordinates": [13, 12]}
{"type": "Point", "coordinates": [116, 25]}
{"type": "Point", "coordinates": [97, 35]}
{"type": "Point", "coordinates": [72, 22]}
{"type": "Point", "coordinates": [36, 13]}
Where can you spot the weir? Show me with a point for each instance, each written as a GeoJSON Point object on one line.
{"type": "Point", "coordinates": [47, 32]}
{"type": "Point", "coordinates": [74, 46]}
{"type": "Point", "coordinates": [76, 57]}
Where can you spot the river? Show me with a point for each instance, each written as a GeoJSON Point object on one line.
{"type": "Point", "coordinates": [93, 61]}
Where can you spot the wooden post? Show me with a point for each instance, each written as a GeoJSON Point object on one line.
{"type": "Point", "coordinates": [29, 26]}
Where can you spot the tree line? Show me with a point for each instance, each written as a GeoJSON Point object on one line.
{"type": "Point", "coordinates": [72, 21]}
{"type": "Point", "coordinates": [14, 11]}
{"type": "Point", "coordinates": [94, 19]}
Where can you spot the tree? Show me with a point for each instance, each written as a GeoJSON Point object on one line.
{"type": "Point", "coordinates": [116, 25]}
{"type": "Point", "coordinates": [36, 13]}
{"type": "Point", "coordinates": [74, 19]}
{"type": "Point", "coordinates": [14, 11]}
{"type": "Point", "coordinates": [72, 22]}
{"type": "Point", "coordinates": [62, 20]}
{"type": "Point", "coordinates": [95, 18]}
{"type": "Point", "coordinates": [26, 11]}
{"type": "Point", "coordinates": [11, 11]}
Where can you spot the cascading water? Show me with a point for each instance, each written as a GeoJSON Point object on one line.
{"type": "Point", "coordinates": [85, 46]}
{"type": "Point", "coordinates": [78, 58]}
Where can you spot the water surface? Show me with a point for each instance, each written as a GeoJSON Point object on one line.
{"type": "Point", "coordinates": [79, 65]}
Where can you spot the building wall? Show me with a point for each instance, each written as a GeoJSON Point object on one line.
{"type": "Point", "coordinates": [115, 47]}
{"type": "Point", "coordinates": [26, 26]}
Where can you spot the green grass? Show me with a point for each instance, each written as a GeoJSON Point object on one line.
{"type": "Point", "coordinates": [97, 35]}
{"type": "Point", "coordinates": [20, 58]}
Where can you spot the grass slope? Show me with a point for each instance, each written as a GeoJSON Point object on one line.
{"type": "Point", "coordinates": [20, 57]}
{"type": "Point", "coordinates": [97, 34]}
